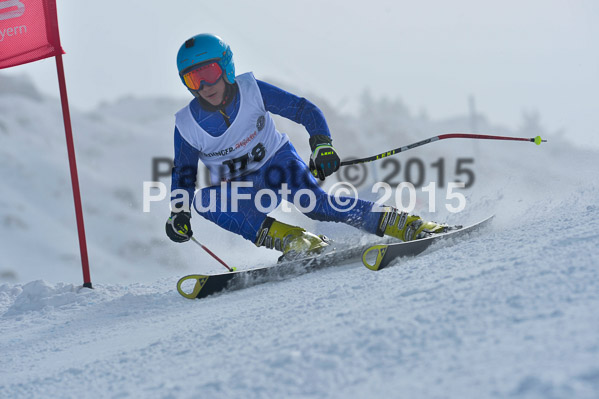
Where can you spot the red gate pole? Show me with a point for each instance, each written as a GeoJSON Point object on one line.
{"type": "Point", "coordinates": [66, 115]}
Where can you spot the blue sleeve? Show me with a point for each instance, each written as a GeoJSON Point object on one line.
{"type": "Point", "coordinates": [292, 107]}
{"type": "Point", "coordinates": [185, 168]}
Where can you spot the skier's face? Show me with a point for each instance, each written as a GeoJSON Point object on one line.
{"type": "Point", "coordinates": [215, 93]}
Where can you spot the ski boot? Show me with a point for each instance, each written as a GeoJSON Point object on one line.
{"type": "Point", "coordinates": [407, 227]}
{"type": "Point", "coordinates": [293, 241]}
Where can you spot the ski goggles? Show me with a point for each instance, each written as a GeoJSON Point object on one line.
{"type": "Point", "coordinates": [208, 74]}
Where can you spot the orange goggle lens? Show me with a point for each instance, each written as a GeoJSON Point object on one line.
{"type": "Point", "coordinates": [208, 74]}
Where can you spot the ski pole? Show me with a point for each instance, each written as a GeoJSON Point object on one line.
{"type": "Point", "coordinates": [537, 140]}
{"type": "Point", "coordinates": [212, 254]}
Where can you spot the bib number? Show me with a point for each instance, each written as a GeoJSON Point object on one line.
{"type": "Point", "coordinates": [256, 155]}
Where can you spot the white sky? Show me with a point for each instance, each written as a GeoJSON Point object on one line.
{"type": "Point", "coordinates": [511, 55]}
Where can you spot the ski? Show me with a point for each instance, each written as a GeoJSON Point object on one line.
{"type": "Point", "coordinates": [377, 257]}
{"type": "Point", "coordinates": [209, 284]}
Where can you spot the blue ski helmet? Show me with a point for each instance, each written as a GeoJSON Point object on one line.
{"type": "Point", "coordinates": [202, 48]}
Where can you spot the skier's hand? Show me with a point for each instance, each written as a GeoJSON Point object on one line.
{"type": "Point", "coordinates": [178, 226]}
{"type": "Point", "coordinates": [324, 160]}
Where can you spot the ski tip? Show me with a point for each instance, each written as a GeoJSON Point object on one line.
{"type": "Point", "coordinates": [372, 257]}
{"type": "Point", "coordinates": [200, 280]}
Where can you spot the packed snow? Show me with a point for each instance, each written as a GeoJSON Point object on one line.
{"type": "Point", "coordinates": [509, 312]}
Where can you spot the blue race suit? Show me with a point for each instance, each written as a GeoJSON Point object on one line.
{"type": "Point", "coordinates": [285, 166]}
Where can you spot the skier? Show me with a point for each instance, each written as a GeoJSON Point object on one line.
{"type": "Point", "coordinates": [228, 126]}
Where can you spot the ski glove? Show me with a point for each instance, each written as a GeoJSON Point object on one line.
{"type": "Point", "coordinates": [178, 226]}
{"type": "Point", "coordinates": [324, 160]}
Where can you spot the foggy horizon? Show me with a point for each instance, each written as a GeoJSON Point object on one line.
{"type": "Point", "coordinates": [512, 58]}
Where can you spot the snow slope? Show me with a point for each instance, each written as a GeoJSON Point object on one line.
{"type": "Point", "coordinates": [501, 315]}
{"type": "Point", "coordinates": [508, 313]}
